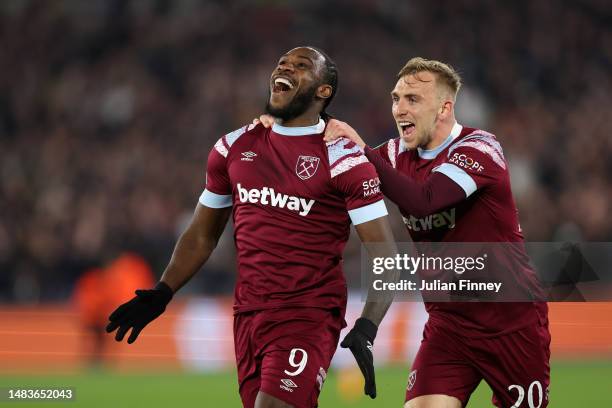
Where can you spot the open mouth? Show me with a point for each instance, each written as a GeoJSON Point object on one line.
{"type": "Point", "coordinates": [281, 84]}
{"type": "Point", "coordinates": [407, 127]}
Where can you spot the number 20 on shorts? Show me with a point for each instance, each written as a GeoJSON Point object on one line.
{"type": "Point", "coordinates": [534, 387]}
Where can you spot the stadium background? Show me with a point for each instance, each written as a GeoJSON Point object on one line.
{"type": "Point", "coordinates": [107, 112]}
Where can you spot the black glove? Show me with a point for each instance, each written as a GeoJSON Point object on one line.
{"type": "Point", "coordinates": [145, 307]}
{"type": "Point", "coordinates": [360, 340]}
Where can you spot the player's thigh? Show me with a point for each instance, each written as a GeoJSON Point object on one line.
{"type": "Point", "coordinates": [433, 401]}
{"type": "Point", "coordinates": [517, 367]}
{"type": "Point", "coordinates": [295, 363]}
{"type": "Point", "coordinates": [249, 390]}
{"type": "Point", "coordinates": [294, 375]}
{"type": "Point", "coordinates": [441, 371]}
{"type": "Point", "coordinates": [247, 363]}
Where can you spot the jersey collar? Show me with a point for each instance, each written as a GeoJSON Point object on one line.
{"type": "Point", "coordinates": [299, 131]}
{"type": "Point", "coordinates": [432, 153]}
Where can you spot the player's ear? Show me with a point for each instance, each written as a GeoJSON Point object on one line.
{"type": "Point", "coordinates": [324, 91]}
{"type": "Point", "coordinates": [445, 109]}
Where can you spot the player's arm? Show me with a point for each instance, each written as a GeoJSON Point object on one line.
{"type": "Point", "coordinates": [378, 239]}
{"type": "Point", "coordinates": [357, 181]}
{"type": "Point", "coordinates": [474, 163]}
{"type": "Point", "coordinates": [418, 198]}
{"type": "Point", "coordinates": [195, 245]}
{"type": "Point", "coordinates": [207, 224]}
{"type": "Point", "coordinates": [376, 235]}
{"type": "Point", "coordinates": [192, 250]}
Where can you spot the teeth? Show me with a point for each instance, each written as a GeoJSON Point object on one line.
{"type": "Point", "coordinates": [402, 124]}
{"type": "Point", "coordinates": [283, 81]}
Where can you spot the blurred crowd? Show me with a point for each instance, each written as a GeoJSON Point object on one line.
{"type": "Point", "coordinates": [108, 109]}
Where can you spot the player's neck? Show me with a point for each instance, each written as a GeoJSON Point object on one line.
{"type": "Point", "coordinates": [305, 119]}
{"type": "Point", "coordinates": [440, 134]}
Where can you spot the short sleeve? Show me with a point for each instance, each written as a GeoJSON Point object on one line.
{"type": "Point", "coordinates": [218, 191]}
{"type": "Point", "coordinates": [360, 187]}
{"type": "Point", "coordinates": [475, 162]}
{"type": "Point", "coordinates": [356, 179]}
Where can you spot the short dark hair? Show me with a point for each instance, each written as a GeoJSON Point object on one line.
{"type": "Point", "coordinates": [330, 77]}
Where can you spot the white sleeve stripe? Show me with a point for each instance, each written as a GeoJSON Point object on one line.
{"type": "Point", "coordinates": [220, 147]}
{"type": "Point", "coordinates": [391, 152]}
{"type": "Point", "coordinates": [346, 164]}
{"type": "Point", "coordinates": [459, 176]}
{"type": "Point", "coordinates": [213, 200]}
{"type": "Point", "coordinates": [368, 212]}
{"type": "Point", "coordinates": [231, 137]}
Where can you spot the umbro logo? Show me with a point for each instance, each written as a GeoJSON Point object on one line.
{"type": "Point", "coordinates": [369, 345]}
{"type": "Point", "coordinates": [288, 385]}
{"type": "Point", "coordinates": [248, 156]}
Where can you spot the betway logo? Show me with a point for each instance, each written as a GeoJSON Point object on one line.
{"type": "Point", "coordinates": [437, 220]}
{"type": "Point", "coordinates": [267, 196]}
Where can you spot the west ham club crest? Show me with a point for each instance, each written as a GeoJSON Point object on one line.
{"type": "Point", "coordinates": [306, 166]}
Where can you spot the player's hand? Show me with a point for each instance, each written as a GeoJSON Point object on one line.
{"type": "Point", "coordinates": [145, 307]}
{"type": "Point", "coordinates": [266, 120]}
{"type": "Point", "coordinates": [336, 129]}
{"type": "Point", "coordinates": [360, 340]}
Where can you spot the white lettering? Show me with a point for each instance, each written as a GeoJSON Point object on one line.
{"type": "Point", "coordinates": [294, 204]}
{"type": "Point", "coordinates": [306, 205]}
{"type": "Point", "coordinates": [300, 205]}
{"type": "Point", "coordinates": [243, 194]}
{"type": "Point", "coordinates": [371, 187]}
{"type": "Point", "coordinates": [264, 196]}
{"type": "Point", "coordinates": [253, 196]}
{"type": "Point", "coordinates": [278, 200]}
{"type": "Point", "coordinates": [466, 162]}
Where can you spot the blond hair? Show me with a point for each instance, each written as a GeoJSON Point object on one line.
{"type": "Point", "coordinates": [444, 73]}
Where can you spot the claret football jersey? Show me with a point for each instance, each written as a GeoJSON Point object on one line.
{"type": "Point", "coordinates": [294, 198]}
{"type": "Point", "coordinates": [474, 160]}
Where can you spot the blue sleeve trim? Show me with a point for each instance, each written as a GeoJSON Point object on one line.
{"type": "Point", "coordinates": [213, 200]}
{"type": "Point", "coordinates": [368, 213]}
{"type": "Point", "coordinates": [459, 176]}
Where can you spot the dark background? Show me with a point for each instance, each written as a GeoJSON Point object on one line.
{"type": "Point", "coordinates": [108, 110]}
